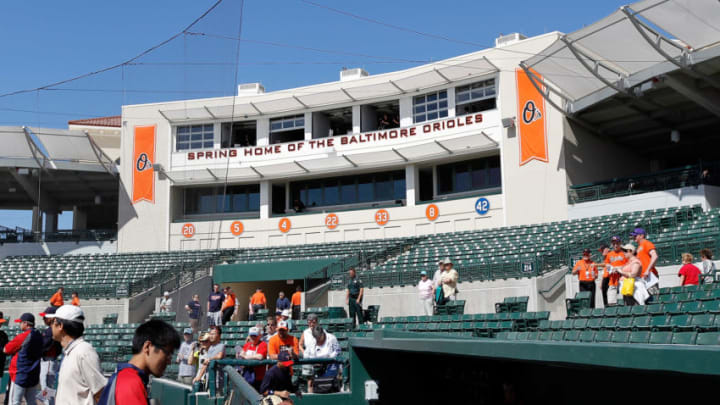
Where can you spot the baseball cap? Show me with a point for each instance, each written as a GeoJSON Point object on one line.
{"type": "Point", "coordinates": [285, 312]}
{"type": "Point", "coordinates": [48, 313]}
{"type": "Point", "coordinates": [312, 317]}
{"type": "Point", "coordinates": [203, 337]}
{"type": "Point", "coordinates": [26, 317]}
{"type": "Point", "coordinates": [586, 252]}
{"type": "Point", "coordinates": [282, 325]}
{"type": "Point", "coordinates": [254, 331]}
{"type": "Point", "coordinates": [615, 239]}
{"type": "Point", "coordinates": [423, 273]}
{"type": "Point", "coordinates": [628, 246]}
{"type": "Point", "coordinates": [188, 331]}
{"type": "Point", "coordinates": [166, 293]}
{"type": "Point", "coordinates": [285, 359]}
{"type": "Point", "coordinates": [638, 231]}
{"type": "Point", "coordinates": [447, 261]}
{"type": "Point", "coordinates": [70, 313]}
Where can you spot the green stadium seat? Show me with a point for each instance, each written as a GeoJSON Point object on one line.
{"type": "Point", "coordinates": [623, 311]}
{"type": "Point", "coordinates": [545, 335]}
{"type": "Point", "coordinates": [684, 338]}
{"type": "Point", "coordinates": [691, 307]}
{"type": "Point", "coordinates": [603, 336]}
{"type": "Point", "coordinates": [708, 338]}
{"type": "Point", "coordinates": [641, 322]}
{"type": "Point", "coordinates": [580, 323]}
{"type": "Point", "coordinates": [703, 321]}
{"type": "Point", "coordinates": [654, 309]}
{"type": "Point", "coordinates": [587, 336]}
{"type": "Point", "coordinates": [664, 338]}
{"type": "Point", "coordinates": [594, 323]}
{"type": "Point", "coordinates": [621, 336]}
{"type": "Point", "coordinates": [572, 335]}
{"type": "Point", "coordinates": [639, 337]}
{"type": "Point", "coordinates": [638, 310]}
{"type": "Point", "coordinates": [712, 307]}
{"type": "Point", "coordinates": [557, 336]}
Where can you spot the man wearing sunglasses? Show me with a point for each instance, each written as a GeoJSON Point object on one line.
{"type": "Point", "coordinates": [153, 346]}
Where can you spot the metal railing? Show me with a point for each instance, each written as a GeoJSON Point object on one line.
{"type": "Point", "coordinates": [21, 235]}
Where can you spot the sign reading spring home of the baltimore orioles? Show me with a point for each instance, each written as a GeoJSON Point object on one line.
{"type": "Point", "coordinates": [323, 144]}
{"type": "Point", "coordinates": [143, 178]}
{"type": "Point", "coordinates": [531, 119]}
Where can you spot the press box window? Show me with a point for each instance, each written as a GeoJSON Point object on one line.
{"type": "Point", "coordinates": [475, 97]}
{"type": "Point", "coordinates": [194, 137]}
{"type": "Point", "coordinates": [430, 106]}
{"type": "Point", "coordinates": [366, 188]}
{"type": "Point", "coordinates": [216, 200]}
{"type": "Point", "coordinates": [238, 134]}
{"type": "Point", "coordinates": [287, 129]}
{"type": "Point", "coordinates": [472, 175]}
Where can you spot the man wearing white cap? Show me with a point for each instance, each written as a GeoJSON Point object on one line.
{"type": "Point", "coordinates": [448, 280]}
{"type": "Point", "coordinates": [166, 302]}
{"type": "Point", "coordinates": [426, 292]}
{"type": "Point", "coordinates": [285, 315]}
{"type": "Point", "coordinates": [80, 380]}
{"type": "Point", "coordinates": [254, 349]}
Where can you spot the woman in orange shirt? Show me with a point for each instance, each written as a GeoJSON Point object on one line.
{"type": "Point", "coordinates": [75, 299]}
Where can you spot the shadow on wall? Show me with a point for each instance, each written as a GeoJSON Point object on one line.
{"type": "Point", "coordinates": [126, 209]}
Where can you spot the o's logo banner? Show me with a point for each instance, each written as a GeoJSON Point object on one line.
{"type": "Point", "coordinates": [531, 119]}
{"type": "Point", "coordinates": [143, 183]}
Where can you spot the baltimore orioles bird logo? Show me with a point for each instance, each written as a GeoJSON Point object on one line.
{"type": "Point", "coordinates": [531, 112]}
{"type": "Point", "coordinates": [143, 163]}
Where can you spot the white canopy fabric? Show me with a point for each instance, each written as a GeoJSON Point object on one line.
{"type": "Point", "coordinates": [631, 40]}
{"type": "Point", "coordinates": [53, 148]}
{"type": "Point", "coordinates": [329, 94]}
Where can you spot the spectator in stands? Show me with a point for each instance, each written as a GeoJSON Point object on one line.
{"type": "Point", "coordinates": [307, 340]}
{"type": "Point", "coordinates": [214, 306]}
{"type": "Point", "coordinates": [57, 299]}
{"type": "Point", "coordinates": [438, 273]}
{"type": "Point", "coordinates": [75, 299]}
{"type": "Point", "coordinates": [258, 301]}
{"type": "Point", "coordinates": [631, 269]}
{"type": "Point", "coordinates": [278, 379]}
{"type": "Point", "coordinates": [426, 292]}
{"type": "Point", "coordinates": [282, 303]}
{"type": "Point", "coordinates": [296, 302]}
{"type": "Point", "coordinates": [708, 266]}
{"type": "Point", "coordinates": [604, 250]}
{"type": "Point", "coordinates": [283, 341]}
{"type": "Point", "coordinates": [228, 307]}
{"type": "Point", "coordinates": [193, 310]}
{"type": "Point", "coordinates": [648, 256]}
{"type": "Point", "coordinates": [326, 347]}
{"type": "Point", "coordinates": [448, 280]}
{"type": "Point", "coordinates": [354, 296]}
{"type": "Point", "coordinates": [26, 349]}
{"type": "Point", "coordinates": [166, 302]}
{"type": "Point", "coordinates": [3, 341]}
{"type": "Point", "coordinates": [587, 272]}
{"type": "Point", "coordinates": [186, 368]}
{"type": "Point", "coordinates": [254, 349]}
{"type": "Point", "coordinates": [285, 316]}
{"type": "Point", "coordinates": [298, 205]}
{"type": "Point", "coordinates": [153, 346]}
{"type": "Point", "coordinates": [689, 273]}
{"type": "Point", "coordinates": [216, 351]}
{"type": "Point", "coordinates": [48, 363]}
{"type": "Point", "coordinates": [201, 356]}
{"type": "Point", "coordinates": [80, 380]}
{"type": "Point", "coordinates": [614, 261]}
{"type": "Point", "coordinates": [270, 329]}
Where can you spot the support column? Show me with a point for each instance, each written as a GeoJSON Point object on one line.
{"type": "Point", "coordinates": [435, 182]}
{"type": "Point", "coordinates": [262, 131]}
{"type": "Point", "coordinates": [308, 126]}
{"type": "Point", "coordinates": [451, 102]}
{"type": "Point", "coordinates": [79, 219]}
{"type": "Point", "coordinates": [406, 107]}
{"type": "Point", "coordinates": [411, 185]}
{"type": "Point", "coordinates": [265, 199]}
{"type": "Point", "coordinates": [36, 220]}
{"type": "Point", "coordinates": [356, 114]}
{"type": "Point", "coordinates": [51, 221]}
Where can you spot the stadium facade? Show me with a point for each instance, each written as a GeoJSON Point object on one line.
{"type": "Point", "coordinates": [438, 148]}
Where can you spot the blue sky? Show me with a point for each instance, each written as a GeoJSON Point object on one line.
{"type": "Point", "coordinates": [45, 42]}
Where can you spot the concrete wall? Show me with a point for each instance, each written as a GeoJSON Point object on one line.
{"type": "Point", "coordinates": [94, 309]}
{"type": "Point", "coordinates": [480, 296]}
{"type": "Point", "coordinates": [56, 248]}
{"type": "Point", "coordinates": [706, 196]}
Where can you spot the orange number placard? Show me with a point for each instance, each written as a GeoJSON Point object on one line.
{"type": "Point", "coordinates": [382, 217]}
{"type": "Point", "coordinates": [188, 230]}
{"type": "Point", "coordinates": [284, 225]}
{"type": "Point", "coordinates": [432, 212]}
{"type": "Point", "coordinates": [332, 221]}
{"type": "Point", "coordinates": [237, 228]}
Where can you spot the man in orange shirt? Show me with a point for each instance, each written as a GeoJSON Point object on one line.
{"type": "Point", "coordinates": [648, 256]}
{"type": "Point", "coordinates": [75, 299]}
{"type": "Point", "coordinates": [57, 299]}
{"type": "Point", "coordinates": [587, 272]}
{"type": "Point", "coordinates": [228, 307]}
{"type": "Point", "coordinates": [296, 303]}
{"type": "Point", "coordinates": [258, 301]}
{"type": "Point", "coordinates": [614, 261]}
{"type": "Point", "coordinates": [283, 342]}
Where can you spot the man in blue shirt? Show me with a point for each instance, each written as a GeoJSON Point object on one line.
{"type": "Point", "coordinates": [193, 310]}
{"type": "Point", "coordinates": [282, 303]}
{"type": "Point", "coordinates": [214, 306]}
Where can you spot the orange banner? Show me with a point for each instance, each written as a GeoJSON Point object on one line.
{"type": "Point", "coordinates": [531, 119]}
{"type": "Point", "coordinates": [143, 171]}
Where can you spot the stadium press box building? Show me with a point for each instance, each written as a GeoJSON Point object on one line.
{"type": "Point", "coordinates": [466, 143]}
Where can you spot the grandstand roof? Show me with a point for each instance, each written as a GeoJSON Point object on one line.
{"type": "Point", "coordinates": [114, 121]}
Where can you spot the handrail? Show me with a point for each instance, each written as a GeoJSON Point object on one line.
{"type": "Point", "coordinates": [246, 392]}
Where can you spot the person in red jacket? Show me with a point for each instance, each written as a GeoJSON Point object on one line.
{"type": "Point", "coordinates": [27, 350]}
{"type": "Point", "coordinates": [153, 346]}
{"type": "Point", "coordinates": [689, 273]}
